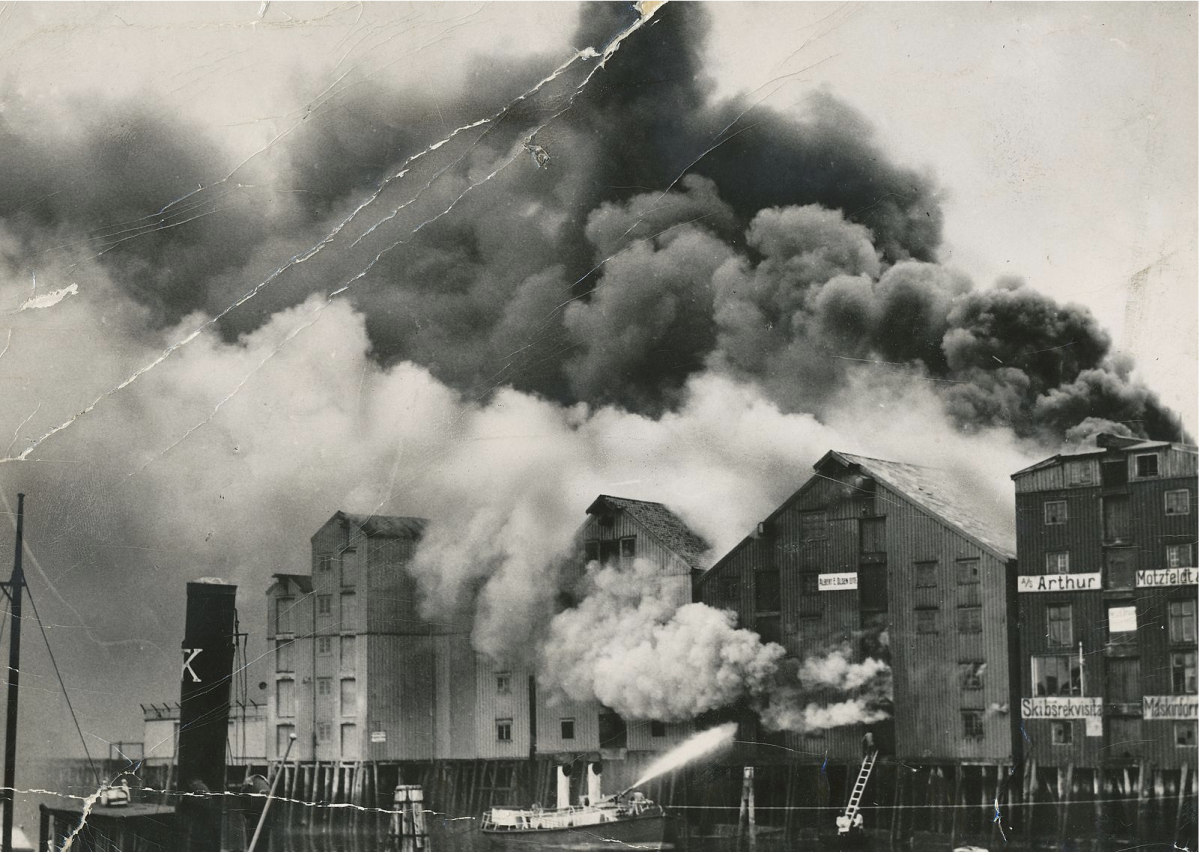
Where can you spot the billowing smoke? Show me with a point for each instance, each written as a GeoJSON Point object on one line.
{"type": "Point", "coordinates": [830, 690]}
{"type": "Point", "coordinates": [633, 646]}
{"type": "Point", "coordinates": [690, 301]}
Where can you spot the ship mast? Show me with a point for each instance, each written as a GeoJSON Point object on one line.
{"type": "Point", "coordinates": [15, 584]}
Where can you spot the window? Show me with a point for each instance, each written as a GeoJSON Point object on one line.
{"type": "Point", "coordinates": [926, 621]}
{"type": "Point", "coordinates": [872, 538]}
{"type": "Point", "coordinates": [349, 696]}
{"type": "Point", "coordinates": [504, 683]}
{"type": "Point", "coordinates": [968, 572]}
{"type": "Point", "coordinates": [627, 548]}
{"type": "Point", "coordinates": [1055, 676]}
{"type": "Point", "coordinates": [348, 611]}
{"type": "Point", "coordinates": [324, 563]}
{"type": "Point", "coordinates": [1060, 630]}
{"type": "Point", "coordinates": [1055, 513]}
{"type": "Point", "coordinates": [283, 614]}
{"type": "Point", "coordinates": [1062, 732]}
{"type": "Point", "coordinates": [285, 698]}
{"type": "Point", "coordinates": [347, 653]}
{"type": "Point", "coordinates": [324, 645]}
{"type": "Point", "coordinates": [1123, 680]}
{"type": "Point", "coordinates": [283, 655]}
{"type": "Point", "coordinates": [810, 585]}
{"type": "Point", "coordinates": [1079, 472]}
{"type": "Point", "coordinates": [812, 525]}
{"type": "Point", "coordinates": [1181, 617]}
{"type": "Point", "coordinates": [591, 550]}
{"type": "Point", "coordinates": [658, 729]}
{"type": "Point", "coordinates": [349, 741]}
{"type": "Point", "coordinates": [970, 675]}
{"type": "Point", "coordinates": [504, 730]}
{"type": "Point", "coordinates": [613, 731]}
{"type": "Point", "coordinates": [349, 568]}
{"type": "Point", "coordinates": [970, 619]}
{"type": "Point", "coordinates": [1122, 624]}
{"type": "Point", "coordinates": [1185, 734]}
{"type": "Point", "coordinates": [1058, 562]}
{"type": "Point", "coordinates": [1176, 502]}
{"type": "Point", "coordinates": [1117, 524]}
{"type": "Point", "coordinates": [972, 723]}
{"type": "Point", "coordinates": [769, 628]}
{"type": "Point", "coordinates": [324, 686]}
{"type": "Point", "coordinates": [283, 738]}
{"type": "Point", "coordinates": [731, 588]}
{"type": "Point", "coordinates": [1145, 465]}
{"type": "Point", "coordinates": [766, 591]}
{"type": "Point", "coordinates": [566, 727]}
{"type": "Point", "coordinates": [1114, 473]}
{"type": "Point", "coordinates": [1183, 673]}
{"type": "Point", "coordinates": [1179, 555]}
{"type": "Point", "coordinates": [324, 605]}
{"type": "Point", "coordinates": [325, 732]}
{"type": "Point", "coordinates": [926, 574]}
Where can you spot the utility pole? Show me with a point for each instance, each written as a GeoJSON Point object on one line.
{"type": "Point", "coordinates": [14, 672]}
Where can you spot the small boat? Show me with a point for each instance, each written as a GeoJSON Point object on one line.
{"type": "Point", "coordinates": [620, 823]}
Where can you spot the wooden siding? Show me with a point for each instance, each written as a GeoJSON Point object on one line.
{"type": "Point", "coordinates": [492, 706]}
{"type": "Point", "coordinates": [647, 546]}
{"type": "Point", "coordinates": [928, 702]}
{"type": "Point", "coordinates": [1083, 536]}
{"type": "Point", "coordinates": [302, 655]}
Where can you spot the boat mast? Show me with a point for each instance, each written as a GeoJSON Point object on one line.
{"type": "Point", "coordinates": [14, 672]}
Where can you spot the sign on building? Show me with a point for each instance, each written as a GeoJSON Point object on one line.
{"type": "Point", "coordinates": [1061, 707]}
{"type": "Point", "coordinates": [1168, 578]}
{"type": "Point", "coordinates": [379, 736]}
{"type": "Point", "coordinates": [837, 582]}
{"type": "Point", "coordinates": [1176, 707]}
{"type": "Point", "coordinates": [1058, 583]}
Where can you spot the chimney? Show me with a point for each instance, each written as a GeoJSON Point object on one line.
{"type": "Point", "coordinates": [208, 646]}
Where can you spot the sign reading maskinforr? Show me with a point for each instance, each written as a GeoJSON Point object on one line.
{"type": "Point", "coordinates": [1168, 578]}
{"type": "Point", "coordinates": [1178, 707]}
{"type": "Point", "coordinates": [837, 582]}
{"type": "Point", "coordinates": [1061, 707]}
{"type": "Point", "coordinates": [1058, 583]}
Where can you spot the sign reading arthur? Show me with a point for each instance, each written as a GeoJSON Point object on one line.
{"type": "Point", "coordinates": [1178, 707]}
{"type": "Point", "coordinates": [1058, 583]}
{"type": "Point", "coordinates": [1061, 707]}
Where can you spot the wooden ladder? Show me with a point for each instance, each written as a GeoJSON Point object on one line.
{"type": "Point", "coordinates": [857, 793]}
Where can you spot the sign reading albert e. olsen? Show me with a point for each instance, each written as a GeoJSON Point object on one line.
{"type": "Point", "coordinates": [837, 582]}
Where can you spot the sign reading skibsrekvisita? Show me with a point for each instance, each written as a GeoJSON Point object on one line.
{"type": "Point", "coordinates": [1061, 707]}
{"type": "Point", "coordinates": [1168, 578]}
{"type": "Point", "coordinates": [1178, 707]}
{"type": "Point", "coordinates": [1058, 583]}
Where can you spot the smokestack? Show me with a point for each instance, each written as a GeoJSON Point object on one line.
{"type": "Point", "coordinates": [564, 785]}
{"type": "Point", "coordinates": [595, 793]}
{"type": "Point", "coordinates": [208, 645]}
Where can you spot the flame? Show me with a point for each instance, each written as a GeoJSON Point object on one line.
{"type": "Point", "coordinates": [702, 743]}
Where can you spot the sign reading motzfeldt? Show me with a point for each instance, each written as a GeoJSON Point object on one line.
{"type": "Point", "coordinates": [1061, 707]}
{"type": "Point", "coordinates": [1168, 578]}
{"type": "Point", "coordinates": [1170, 707]}
{"type": "Point", "coordinates": [837, 582]}
{"type": "Point", "coordinates": [1058, 583]}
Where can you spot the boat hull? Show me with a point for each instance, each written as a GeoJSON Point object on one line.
{"type": "Point", "coordinates": [637, 834]}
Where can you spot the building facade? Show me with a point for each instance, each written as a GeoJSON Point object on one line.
{"type": "Point", "coordinates": [901, 563]}
{"type": "Point", "coordinates": [1106, 543]}
{"type": "Point", "coordinates": [247, 743]}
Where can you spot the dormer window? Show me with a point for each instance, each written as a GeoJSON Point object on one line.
{"type": "Point", "coordinates": [606, 521]}
{"type": "Point", "coordinates": [1145, 465]}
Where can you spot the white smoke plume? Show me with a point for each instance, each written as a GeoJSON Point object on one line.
{"type": "Point", "coordinates": [831, 690]}
{"type": "Point", "coordinates": [631, 645]}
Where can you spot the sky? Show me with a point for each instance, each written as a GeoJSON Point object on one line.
{"type": "Point", "coordinates": [246, 286]}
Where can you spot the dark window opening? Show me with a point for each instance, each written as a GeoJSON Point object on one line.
{"type": "Point", "coordinates": [1176, 502]}
{"type": "Point", "coordinates": [567, 728]}
{"type": "Point", "coordinates": [970, 674]}
{"type": "Point", "coordinates": [970, 620]}
{"type": "Point", "coordinates": [1181, 621]}
{"type": "Point", "coordinates": [769, 628]}
{"type": "Point", "coordinates": [1062, 732]}
{"type": "Point", "coordinates": [1146, 465]}
{"type": "Point", "coordinates": [766, 591]}
{"type": "Point", "coordinates": [1116, 518]}
{"type": "Point", "coordinates": [1183, 673]}
{"type": "Point", "coordinates": [1114, 473]}
{"type": "Point", "coordinates": [926, 574]}
{"type": "Point", "coordinates": [873, 589]}
{"type": "Point", "coordinates": [613, 731]}
{"type": "Point", "coordinates": [1060, 629]}
{"type": "Point", "coordinates": [658, 729]}
{"type": "Point", "coordinates": [1185, 734]}
{"type": "Point", "coordinates": [504, 730]}
{"type": "Point", "coordinates": [1055, 676]}
{"type": "Point", "coordinates": [972, 723]}
{"type": "Point", "coordinates": [1055, 513]}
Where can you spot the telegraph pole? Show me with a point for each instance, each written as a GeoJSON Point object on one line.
{"type": "Point", "coordinates": [14, 672]}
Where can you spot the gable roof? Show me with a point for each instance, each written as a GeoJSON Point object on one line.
{"type": "Point", "coordinates": [374, 525]}
{"type": "Point", "coordinates": [942, 494]}
{"type": "Point", "coordinates": [1134, 446]}
{"type": "Point", "coordinates": [304, 583]}
{"type": "Point", "coordinates": [662, 523]}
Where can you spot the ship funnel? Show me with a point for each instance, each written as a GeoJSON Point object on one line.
{"type": "Point", "coordinates": [564, 785]}
{"type": "Point", "coordinates": [593, 782]}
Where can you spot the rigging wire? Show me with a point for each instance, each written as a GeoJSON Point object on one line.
{"type": "Point", "coordinates": [63, 686]}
